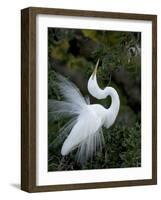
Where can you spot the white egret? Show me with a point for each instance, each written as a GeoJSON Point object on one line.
{"type": "Point", "coordinates": [84, 130]}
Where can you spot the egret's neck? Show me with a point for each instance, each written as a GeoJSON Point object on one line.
{"type": "Point", "coordinates": [99, 93]}
{"type": "Point", "coordinates": [115, 101]}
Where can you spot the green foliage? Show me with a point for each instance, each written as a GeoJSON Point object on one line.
{"type": "Point", "coordinates": [74, 53]}
{"type": "Point", "coordinates": [123, 146]}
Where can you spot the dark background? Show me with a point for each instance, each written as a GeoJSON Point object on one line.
{"type": "Point", "coordinates": [74, 53]}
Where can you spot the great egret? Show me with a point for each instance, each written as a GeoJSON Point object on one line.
{"type": "Point", "coordinates": [84, 130]}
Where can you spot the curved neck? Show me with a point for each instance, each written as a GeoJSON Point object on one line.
{"type": "Point", "coordinates": [115, 101]}
{"type": "Point", "coordinates": [99, 93]}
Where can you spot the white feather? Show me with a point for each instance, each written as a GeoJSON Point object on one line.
{"type": "Point", "coordinates": [70, 92]}
{"type": "Point", "coordinates": [88, 123]}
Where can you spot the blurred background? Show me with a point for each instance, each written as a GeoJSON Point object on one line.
{"type": "Point", "coordinates": [74, 53]}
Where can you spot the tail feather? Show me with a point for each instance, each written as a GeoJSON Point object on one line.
{"type": "Point", "coordinates": [88, 148]}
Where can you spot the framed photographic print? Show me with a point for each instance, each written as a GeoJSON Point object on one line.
{"type": "Point", "coordinates": [89, 99]}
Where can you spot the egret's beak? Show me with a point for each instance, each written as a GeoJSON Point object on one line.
{"type": "Point", "coordinates": [95, 69]}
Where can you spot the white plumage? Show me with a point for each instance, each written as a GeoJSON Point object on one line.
{"type": "Point", "coordinates": [84, 130]}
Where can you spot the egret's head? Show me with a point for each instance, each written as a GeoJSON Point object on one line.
{"type": "Point", "coordinates": [93, 87]}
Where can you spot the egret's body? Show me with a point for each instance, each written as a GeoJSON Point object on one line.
{"type": "Point", "coordinates": [85, 128]}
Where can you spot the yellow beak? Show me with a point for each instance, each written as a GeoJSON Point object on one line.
{"type": "Point", "coordinates": [95, 69]}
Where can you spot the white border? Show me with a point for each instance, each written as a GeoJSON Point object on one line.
{"type": "Point", "coordinates": [43, 177]}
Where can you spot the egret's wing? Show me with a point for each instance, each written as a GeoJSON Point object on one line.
{"type": "Point", "coordinates": [85, 135]}
{"type": "Point", "coordinates": [73, 100]}
{"type": "Point", "coordinates": [69, 91]}
{"type": "Point", "coordinates": [62, 109]}
{"type": "Point", "coordinates": [84, 129]}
